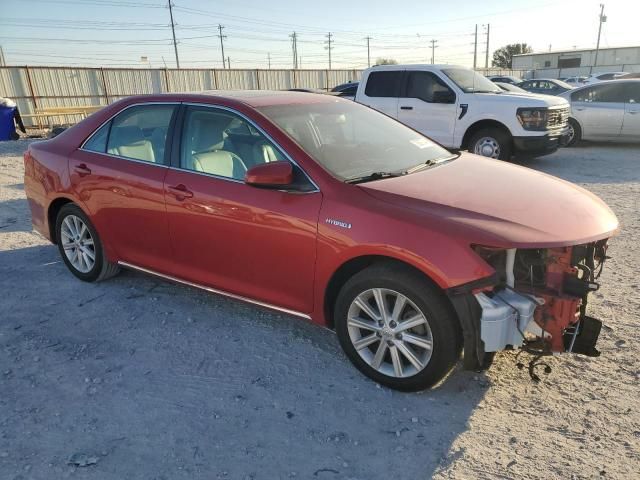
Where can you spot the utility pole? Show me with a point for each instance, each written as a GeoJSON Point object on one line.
{"type": "Point", "coordinates": [221, 37]}
{"type": "Point", "coordinates": [269, 60]}
{"type": "Point", "coordinates": [294, 49]}
{"type": "Point", "coordinates": [328, 47]}
{"type": "Point", "coordinates": [368, 52]}
{"type": "Point", "coordinates": [603, 19]}
{"type": "Point", "coordinates": [433, 51]}
{"type": "Point", "coordinates": [173, 31]}
{"type": "Point", "coordinates": [486, 53]}
{"type": "Point", "coordinates": [3, 61]}
{"type": "Point", "coordinates": [475, 48]}
{"type": "Point", "coordinates": [229, 62]}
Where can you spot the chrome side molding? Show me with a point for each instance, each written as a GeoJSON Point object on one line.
{"type": "Point", "coordinates": [215, 290]}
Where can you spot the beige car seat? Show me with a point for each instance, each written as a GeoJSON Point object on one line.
{"type": "Point", "coordinates": [208, 147]}
{"type": "Point", "coordinates": [130, 142]}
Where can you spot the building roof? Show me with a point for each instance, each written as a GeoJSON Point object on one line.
{"type": "Point", "coordinates": [577, 50]}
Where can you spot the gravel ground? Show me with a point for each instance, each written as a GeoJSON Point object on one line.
{"type": "Point", "coordinates": [137, 378]}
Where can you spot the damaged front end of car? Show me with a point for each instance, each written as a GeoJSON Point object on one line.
{"type": "Point", "coordinates": [536, 301]}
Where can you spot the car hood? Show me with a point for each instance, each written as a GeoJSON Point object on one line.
{"type": "Point", "coordinates": [521, 100]}
{"type": "Point", "coordinates": [494, 203]}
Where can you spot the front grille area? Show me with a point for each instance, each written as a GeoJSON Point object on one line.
{"type": "Point", "coordinates": [558, 118]}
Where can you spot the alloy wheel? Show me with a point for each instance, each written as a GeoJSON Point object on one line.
{"type": "Point", "coordinates": [487, 147]}
{"type": "Point", "coordinates": [390, 333]}
{"type": "Point", "coordinates": [77, 243]}
{"type": "Point", "coordinates": [572, 133]}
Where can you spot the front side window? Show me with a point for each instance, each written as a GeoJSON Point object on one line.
{"type": "Point", "coordinates": [351, 140]}
{"type": "Point", "coordinates": [428, 87]}
{"type": "Point", "coordinates": [140, 133]}
{"type": "Point", "coordinates": [632, 92]}
{"type": "Point", "coordinates": [221, 143]}
{"type": "Point", "coordinates": [384, 84]}
{"type": "Point", "coordinates": [607, 93]}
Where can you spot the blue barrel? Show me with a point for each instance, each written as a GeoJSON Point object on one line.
{"type": "Point", "coordinates": [7, 125]}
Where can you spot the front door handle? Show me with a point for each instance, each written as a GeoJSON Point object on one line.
{"type": "Point", "coordinates": [82, 170]}
{"type": "Point", "coordinates": [579, 108]}
{"type": "Point", "coordinates": [406, 108]}
{"type": "Point", "coordinates": [180, 192]}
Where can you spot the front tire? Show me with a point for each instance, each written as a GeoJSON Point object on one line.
{"type": "Point", "coordinates": [80, 246]}
{"type": "Point", "coordinates": [575, 133]}
{"type": "Point", "coordinates": [492, 143]}
{"type": "Point", "coordinates": [397, 328]}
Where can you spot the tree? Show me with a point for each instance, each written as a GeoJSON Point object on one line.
{"type": "Point", "coordinates": [386, 61]}
{"type": "Point", "coordinates": [503, 56]}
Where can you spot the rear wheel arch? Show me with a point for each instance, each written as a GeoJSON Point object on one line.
{"type": "Point", "coordinates": [52, 215]}
{"type": "Point", "coordinates": [355, 265]}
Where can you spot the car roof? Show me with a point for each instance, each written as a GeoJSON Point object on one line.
{"type": "Point", "coordinates": [252, 98]}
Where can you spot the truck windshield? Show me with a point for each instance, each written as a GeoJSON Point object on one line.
{"type": "Point", "coordinates": [352, 141]}
{"type": "Point", "coordinates": [470, 81]}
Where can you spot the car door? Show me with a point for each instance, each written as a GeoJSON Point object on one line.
{"type": "Point", "coordinates": [600, 110]}
{"type": "Point", "coordinates": [631, 122]}
{"type": "Point", "coordinates": [253, 242]}
{"type": "Point", "coordinates": [118, 174]}
{"type": "Point", "coordinates": [382, 89]}
{"type": "Point", "coordinates": [428, 105]}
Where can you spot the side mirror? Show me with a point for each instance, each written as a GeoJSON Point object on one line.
{"type": "Point", "coordinates": [444, 96]}
{"type": "Point", "coordinates": [270, 175]}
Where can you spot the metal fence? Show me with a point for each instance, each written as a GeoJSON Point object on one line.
{"type": "Point", "coordinates": [40, 88]}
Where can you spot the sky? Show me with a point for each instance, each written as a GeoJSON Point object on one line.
{"type": "Point", "coordinates": [133, 33]}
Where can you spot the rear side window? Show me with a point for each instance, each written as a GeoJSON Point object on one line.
{"type": "Point", "coordinates": [383, 84]}
{"type": "Point", "coordinates": [140, 133]}
{"type": "Point", "coordinates": [98, 141]}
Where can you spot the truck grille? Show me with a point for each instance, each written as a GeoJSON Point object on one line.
{"type": "Point", "coordinates": [558, 118]}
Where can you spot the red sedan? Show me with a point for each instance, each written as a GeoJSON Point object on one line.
{"type": "Point", "coordinates": [325, 209]}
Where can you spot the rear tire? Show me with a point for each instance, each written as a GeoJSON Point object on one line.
{"type": "Point", "coordinates": [492, 143]}
{"type": "Point", "coordinates": [80, 246]}
{"type": "Point", "coordinates": [426, 352]}
{"type": "Point", "coordinates": [575, 133]}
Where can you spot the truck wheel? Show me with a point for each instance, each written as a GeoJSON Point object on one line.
{"type": "Point", "coordinates": [575, 133]}
{"type": "Point", "coordinates": [492, 143]}
{"type": "Point", "coordinates": [397, 328]}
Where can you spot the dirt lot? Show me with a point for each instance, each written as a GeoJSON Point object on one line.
{"type": "Point", "coordinates": [136, 378]}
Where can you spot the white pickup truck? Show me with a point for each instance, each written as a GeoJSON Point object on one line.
{"type": "Point", "coordinates": [460, 109]}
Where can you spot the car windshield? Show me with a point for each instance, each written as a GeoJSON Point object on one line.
{"type": "Point", "coordinates": [353, 141]}
{"type": "Point", "coordinates": [470, 81]}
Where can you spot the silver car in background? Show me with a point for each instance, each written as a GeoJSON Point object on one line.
{"type": "Point", "coordinates": [606, 111]}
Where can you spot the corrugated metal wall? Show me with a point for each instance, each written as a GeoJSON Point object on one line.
{"type": "Point", "coordinates": [42, 87]}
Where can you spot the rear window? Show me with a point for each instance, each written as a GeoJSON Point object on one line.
{"type": "Point", "coordinates": [384, 84]}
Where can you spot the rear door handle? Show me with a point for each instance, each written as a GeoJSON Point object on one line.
{"type": "Point", "coordinates": [633, 112]}
{"type": "Point", "coordinates": [406, 108]}
{"type": "Point", "coordinates": [180, 192]}
{"type": "Point", "coordinates": [82, 170]}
